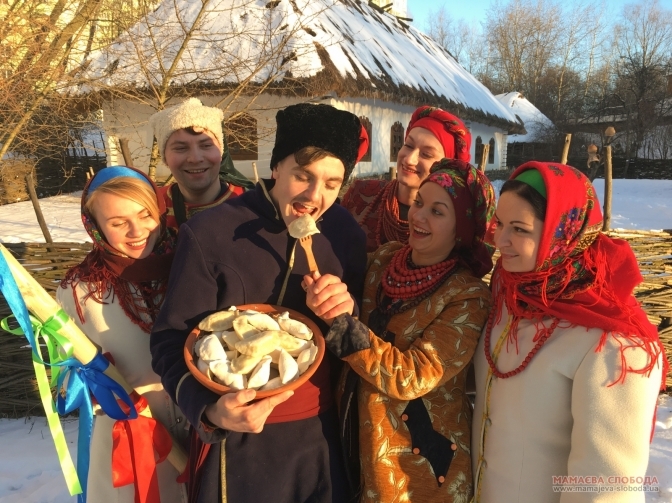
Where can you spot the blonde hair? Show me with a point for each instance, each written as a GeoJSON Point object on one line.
{"type": "Point", "coordinates": [126, 187]}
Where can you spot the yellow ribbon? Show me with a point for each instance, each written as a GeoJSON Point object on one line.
{"type": "Point", "coordinates": [59, 349]}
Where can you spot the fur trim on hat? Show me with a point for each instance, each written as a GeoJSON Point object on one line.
{"type": "Point", "coordinates": [190, 113]}
{"type": "Point", "coordinates": [323, 126]}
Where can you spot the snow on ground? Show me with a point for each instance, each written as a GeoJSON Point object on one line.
{"type": "Point", "coordinates": [29, 471]}
{"type": "Point", "coordinates": [18, 222]}
{"type": "Point", "coordinates": [660, 458]}
{"type": "Point", "coordinates": [639, 204]}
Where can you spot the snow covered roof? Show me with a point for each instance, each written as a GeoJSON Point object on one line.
{"type": "Point", "coordinates": [536, 123]}
{"type": "Point", "coordinates": [304, 47]}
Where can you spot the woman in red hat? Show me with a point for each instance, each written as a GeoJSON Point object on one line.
{"type": "Point", "coordinates": [403, 407]}
{"type": "Point", "coordinates": [114, 296]}
{"type": "Point", "coordinates": [381, 207]}
{"type": "Point", "coordinates": [569, 367]}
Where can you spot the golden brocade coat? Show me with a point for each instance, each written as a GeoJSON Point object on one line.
{"type": "Point", "coordinates": [411, 394]}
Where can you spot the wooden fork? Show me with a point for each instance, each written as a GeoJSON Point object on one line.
{"type": "Point", "coordinates": [307, 244]}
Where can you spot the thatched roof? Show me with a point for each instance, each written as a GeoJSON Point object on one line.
{"type": "Point", "coordinates": [303, 47]}
{"type": "Point", "coordinates": [536, 123]}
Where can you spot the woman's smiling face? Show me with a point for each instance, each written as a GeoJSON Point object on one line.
{"type": "Point", "coordinates": [127, 226]}
{"type": "Point", "coordinates": [420, 151]}
{"type": "Point", "coordinates": [517, 233]}
{"type": "Point", "coordinates": [431, 219]}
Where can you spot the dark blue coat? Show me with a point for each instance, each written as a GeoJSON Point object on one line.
{"type": "Point", "coordinates": [241, 253]}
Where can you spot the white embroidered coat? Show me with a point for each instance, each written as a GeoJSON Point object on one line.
{"type": "Point", "coordinates": [560, 416]}
{"type": "Point", "coordinates": [110, 329]}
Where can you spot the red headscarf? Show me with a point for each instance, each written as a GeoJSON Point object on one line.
{"type": "Point", "coordinates": [139, 284]}
{"type": "Point", "coordinates": [474, 202]}
{"type": "Point", "coordinates": [448, 129]}
{"type": "Point", "coordinates": [581, 275]}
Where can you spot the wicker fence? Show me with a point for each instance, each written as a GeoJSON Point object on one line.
{"type": "Point", "coordinates": [48, 263]}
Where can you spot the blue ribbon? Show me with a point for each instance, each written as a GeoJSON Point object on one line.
{"type": "Point", "coordinates": [82, 380]}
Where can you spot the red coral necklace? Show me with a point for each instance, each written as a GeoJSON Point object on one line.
{"type": "Point", "coordinates": [390, 226]}
{"type": "Point", "coordinates": [486, 346]}
{"type": "Point", "coordinates": [403, 281]}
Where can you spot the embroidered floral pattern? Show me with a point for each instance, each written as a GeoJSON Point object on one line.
{"type": "Point", "coordinates": [427, 359]}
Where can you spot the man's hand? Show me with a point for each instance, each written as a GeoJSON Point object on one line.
{"type": "Point", "coordinates": [232, 411]}
{"type": "Point", "coordinates": [327, 296]}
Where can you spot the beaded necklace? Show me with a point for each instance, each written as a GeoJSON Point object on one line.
{"type": "Point", "coordinates": [505, 375]}
{"type": "Point", "coordinates": [402, 281]}
{"type": "Point", "coordinates": [390, 226]}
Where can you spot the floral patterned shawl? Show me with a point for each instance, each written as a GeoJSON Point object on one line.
{"type": "Point", "coordinates": [581, 275]}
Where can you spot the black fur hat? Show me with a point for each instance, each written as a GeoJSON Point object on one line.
{"type": "Point", "coordinates": [322, 126]}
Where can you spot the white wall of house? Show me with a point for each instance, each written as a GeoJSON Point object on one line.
{"type": "Point", "coordinates": [382, 116]}
{"type": "Point", "coordinates": [487, 133]}
{"type": "Point", "coordinates": [126, 119]}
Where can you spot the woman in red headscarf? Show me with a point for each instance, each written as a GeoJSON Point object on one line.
{"type": "Point", "coordinates": [569, 367]}
{"type": "Point", "coordinates": [381, 207]}
{"type": "Point", "coordinates": [114, 296]}
{"type": "Point", "coordinates": [403, 406]}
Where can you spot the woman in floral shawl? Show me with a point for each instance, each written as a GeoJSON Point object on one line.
{"type": "Point", "coordinates": [114, 296]}
{"type": "Point", "coordinates": [569, 368]}
{"type": "Point", "coordinates": [381, 207]}
{"type": "Point", "coordinates": [403, 395]}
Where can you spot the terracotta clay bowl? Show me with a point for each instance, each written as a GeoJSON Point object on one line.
{"type": "Point", "coordinates": [220, 389]}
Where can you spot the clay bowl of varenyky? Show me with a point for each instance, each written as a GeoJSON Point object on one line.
{"type": "Point", "coordinates": [216, 385]}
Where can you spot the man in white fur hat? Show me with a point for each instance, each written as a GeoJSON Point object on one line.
{"type": "Point", "coordinates": [191, 143]}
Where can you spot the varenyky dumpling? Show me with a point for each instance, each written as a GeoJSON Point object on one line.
{"type": "Point", "coordinates": [244, 364]}
{"type": "Point", "coordinates": [302, 227]}
{"type": "Point", "coordinates": [248, 349]}
{"type": "Point", "coordinates": [291, 344]}
{"type": "Point", "coordinates": [216, 322]}
{"type": "Point", "coordinates": [263, 322]}
{"type": "Point", "coordinates": [229, 338]}
{"type": "Point", "coordinates": [306, 358]}
{"type": "Point", "coordinates": [203, 366]}
{"type": "Point", "coordinates": [259, 344]}
{"type": "Point", "coordinates": [243, 328]}
{"type": "Point", "coordinates": [287, 366]}
{"type": "Point", "coordinates": [260, 374]}
{"type": "Point", "coordinates": [294, 327]}
{"type": "Point", "coordinates": [211, 349]}
{"type": "Point", "coordinates": [274, 383]}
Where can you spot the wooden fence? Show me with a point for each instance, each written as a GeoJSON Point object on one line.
{"type": "Point", "coordinates": [48, 263]}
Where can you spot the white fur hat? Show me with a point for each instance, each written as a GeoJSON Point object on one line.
{"type": "Point", "coordinates": [190, 113]}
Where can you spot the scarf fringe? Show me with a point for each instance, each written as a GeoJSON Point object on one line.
{"type": "Point", "coordinates": [580, 281]}
{"type": "Point", "coordinates": [140, 301]}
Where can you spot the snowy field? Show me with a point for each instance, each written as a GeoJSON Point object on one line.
{"type": "Point", "coordinates": [636, 204]}
{"type": "Point", "coordinates": [29, 471]}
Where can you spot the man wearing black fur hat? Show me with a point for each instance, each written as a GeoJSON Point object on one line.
{"type": "Point", "coordinates": [282, 449]}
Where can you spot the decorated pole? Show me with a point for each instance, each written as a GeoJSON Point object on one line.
{"type": "Point", "coordinates": [92, 372]}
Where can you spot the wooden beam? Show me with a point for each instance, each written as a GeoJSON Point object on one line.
{"type": "Point", "coordinates": [565, 149]}
{"type": "Point", "coordinates": [126, 152]}
{"type": "Point", "coordinates": [607, 188]}
{"type": "Point", "coordinates": [483, 161]}
{"type": "Point", "coordinates": [36, 207]}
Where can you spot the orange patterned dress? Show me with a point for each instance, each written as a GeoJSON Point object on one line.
{"type": "Point", "coordinates": [414, 415]}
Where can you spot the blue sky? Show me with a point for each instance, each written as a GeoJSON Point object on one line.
{"type": "Point", "coordinates": [475, 11]}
